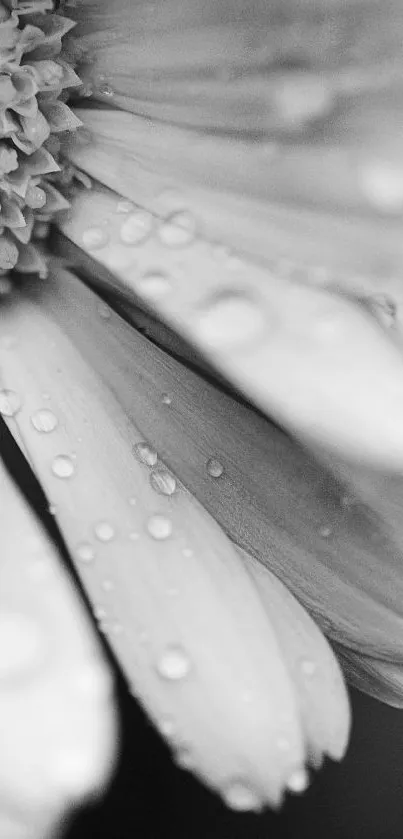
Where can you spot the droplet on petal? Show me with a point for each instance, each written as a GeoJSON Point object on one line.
{"type": "Point", "coordinates": [166, 399]}
{"type": "Point", "coordinates": [178, 229]}
{"type": "Point", "coordinates": [308, 667]}
{"type": "Point", "coordinates": [382, 185]}
{"type": "Point", "coordinates": [159, 527]}
{"type": "Point", "coordinates": [154, 284]}
{"type": "Point", "coordinates": [63, 466]}
{"type": "Point", "coordinates": [85, 552]}
{"type": "Point", "coordinates": [22, 644]}
{"type": "Point", "coordinates": [214, 467]}
{"type": "Point", "coordinates": [104, 531]}
{"type": "Point", "coordinates": [136, 228]}
{"type": "Point", "coordinates": [166, 727]}
{"type": "Point", "coordinates": [298, 781]}
{"type": "Point", "coordinates": [325, 531]}
{"type": "Point", "coordinates": [44, 420]}
{"type": "Point", "coordinates": [107, 585]}
{"type": "Point", "coordinates": [95, 237]}
{"type": "Point", "coordinates": [145, 453]}
{"type": "Point", "coordinates": [230, 319]}
{"type": "Point", "coordinates": [10, 403]}
{"type": "Point", "coordinates": [240, 797]}
{"type": "Point", "coordinates": [174, 664]}
{"type": "Point", "coordinates": [124, 206]}
{"type": "Point", "coordinates": [162, 481]}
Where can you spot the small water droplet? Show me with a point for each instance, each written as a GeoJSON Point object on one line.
{"type": "Point", "coordinates": [298, 781]}
{"type": "Point", "coordinates": [52, 509]}
{"type": "Point", "coordinates": [159, 527]}
{"type": "Point", "coordinates": [154, 284]}
{"type": "Point", "coordinates": [100, 613]}
{"type": "Point", "coordinates": [136, 228]}
{"type": "Point", "coordinates": [10, 403]}
{"type": "Point", "coordinates": [132, 501]}
{"type": "Point", "coordinates": [325, 532]}
{"type": "Point", "coordinates": [178, 229]}
{"type": "Point", "coordinates": [63, 466]}
{"type": "Point", "coordinates": [382, 186]}
{"type": "Point", "coordinates": [231, 319]}
{"type": "Point", "coordinates": [44, 420]}
{"type": "Point", "coordinates": [95, 238]}
{"type": "Point", "coordinates": [173, 664]}
{"type": "Point", "coordinates": [240, 797]}
{"type": "Point", "coordinates": [22, 644]}
{"type": "Point", "coordinates": [124, 206]}
{"type": "Point", "coordinates": [188, 552]}
{"type": "Point", "coordinates": [167, 727]}
{"type": "Point", "coordinates": [166, 399]}
{"type": "Point", "coordinates": [308, 666]}
{"type": "Point", "coordinates": [85, 552]}
{"type": "Point", "coordinates": [107, 585]}
{"type": "Point", "coordinates": [104, 310]}
{"type": "Point", "coordinates": [104, 531]}
{"type": "Point", "coordinates": [145, 453]}
{"type": "Point", "coordinates": [162, 481]}
{"type": "Point", "coordinates": [184, 758]}
{"type": "Point", "coordinates": [214, 467]}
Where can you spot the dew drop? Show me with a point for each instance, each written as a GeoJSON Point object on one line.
{"type": "Point", "coordinates": [63, 466]}
{"type": "Point", "coordinates": [85, 552]}
{"type": "Point", "coordinates": [159, 527]}
{"type": "Point", "coordinates": [325, 532]}
{"type": "Point", "coordinates": [308, 666]}
{"type": "Point", "coordinates": [214, 467]}
{"type": "Point", "coordinates": [132, 501]}
{"type": "Point", "coordinates": [163, 482]}
{"type": "Point", "coordinates": [136, 228]}
{"type": "Point", "coordinates": [52, 509]}
{"type": "Point", "coordinates": [173, 664]}
{"type": "Point", "coordinates": [145, 453]}
{"type": "Point", "coordinates": [104, 531]}
{"type": "Point", "coordinates": [188, 552]}
{"type": "Point", "coordinates": [100, 613]}
{"type": "Point", "coordinates": [230, 319]}
{"type": "Point", "coordinates": [95, 237]}
{"type": "Point", "coordinates": [154, 284]}
{"type": "Point", "coordinates": [124, 206]}
{"type": "Point", "coordinates": [107, 585]}
{"type": "Point", "coordinates": [166, 399]}
{"type": "Point", "coordinates": [167, 727]}
{"type": "Point", "coordinates": [298, 781]}
{"type": "Point", "coordinates": [240, 797]}
{"type": "Point", "coordinates": [10, 403]}
{"type": "Point", "coordinates": [105, 89]}
{"type": "Point", "coordinates": [382, 186]}
{"type": "Point", "coordinates": [22, 644]}
{"type": "Point", "coordinates": [184, 758]}
{"type": "Point", "coordinates": [44, 420]}
{"type": "Point", "coordinates": [178, 229]}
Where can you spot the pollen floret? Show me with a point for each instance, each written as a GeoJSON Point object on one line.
{"type": "Point", "coordinates": [34, 77]}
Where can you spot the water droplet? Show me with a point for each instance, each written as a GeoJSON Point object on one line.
{"type": "Point", "coordinates": [105, 89]}
{"type": "Point", "coordinates": [124, 206]}
{"type": "Point", "coordinates": [52, 509]}
{"type": "Point", "coordinates": [136, 228]}
{"type": "Point", "coordinates": [166, 399]}
{"type": "Point", "coordinates": [308, 666]}
{"type": "Point", "coordinates": [22, 644]}
{"type": "Point", "coordinates": [167, 727]}
{"type": "Point", "coordinates": [100, 613]}
{"type": "Point", "coordinates": [188, 552]}
{"type": "Point", "coordinates": [159, 527]}
{"type": "Point", "coordinates": [63, 466]}
{"type": "Point", "coordinates": [214, 467]}
{"type": "Point", "coordinates": [154, 284]}
{"type": "Point", "coordinates": [173, 664]}
{"type": "Point", "coordinates": [104, 531]}
{"type": "Point", "coordinates": [132, 501]}
{"type": "Point", "coordinates": [382, 185]}
{"type": "Point", "coordinates": [10, 403]}
{"type": "Point", "coordinates": [325, 532]}
{"type": "Point", "coordinates": [162, 481]}
{"type": "Point", "coordinates": [298, 781]}
{"type": "Point", "coordinates": [184, 758]}
{"type": "Point", "coordinates": [145, 453]}
{"type": "Point", "coordinates": [178, 229]}
{"type": "Point", "coordinates": [104, 310]}
{"type": "Point", "coordinates": [107, 585]}
{"type": "Point", "coordinates": [240, 797]}
{"type": "Point", "coordinates": [230, 319]}
{"type": "Point", "coordinates": [44, 420]}
{"type": "Point", "coordinates": [95, 237]}
{"type": "Point", "coordinates": [85, 552]}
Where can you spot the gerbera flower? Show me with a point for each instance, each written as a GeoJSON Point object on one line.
{"type": "Point", "coordinates": [201, 288]}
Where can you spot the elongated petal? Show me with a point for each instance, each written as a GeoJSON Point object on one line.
{"type": "Point", "coordinates": [168, 587]}
{"type": "Point", "coordinates": [57, 729]}
{"type": "Point", "coordinates": [324, 538]}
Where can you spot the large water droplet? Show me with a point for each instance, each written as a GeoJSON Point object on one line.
{"type": "Point", "coordinates": [178, 229]}
{"type": "Point", "coordinates": [174, 664]}
{"type": "Point", "coordinates": [10, 403]}
{"type": "Point", "coordinates": [104, 531]}
{"type": "Point", "coordinates": [154, 284]}
{"type": "Point", "coordinates": [85, 552]}
{"type": "Point", "coordinates": [230, 319]}
{"type": "Point", "coordinates": [240, 797]}
{"type": "Point", "coordinates": [22, 644]}
{"type": "Point", "coordinates": [159, 527]}
{"type": "Point", "coordinates": [63, 466]}
{"type": "Point", "coordinates": [214, 467]}
{"type": "Point", "coordinates": [44, 420]}
{"type": "Point", "coordinates": [95, 238]}
{"type": "Point", "coordinates": [298, 781]}
{"type": "Point", "coordinates": [162, 481]}
{"type": "Point", "coordinates": [145, 453]}
{"type": "Point", "coordinates": [136, 228]}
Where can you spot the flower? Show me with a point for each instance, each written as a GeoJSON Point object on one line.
{"type": "Point", "coordinates": [211, 543]}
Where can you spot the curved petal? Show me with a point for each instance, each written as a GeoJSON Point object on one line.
{"type": "Point", "coordinates": [168, 587]}
{"type": "Point", "coordinates": [57, 728]}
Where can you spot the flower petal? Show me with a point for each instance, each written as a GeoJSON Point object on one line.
{"type": "Point", "coordinates": [171, 593]}
{"type": "Point", "coordinates": [56, 722]}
